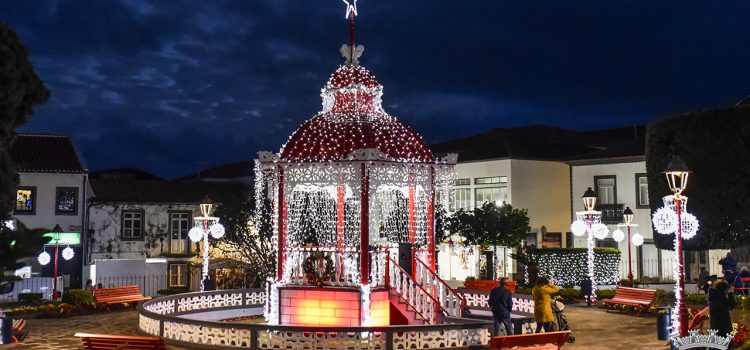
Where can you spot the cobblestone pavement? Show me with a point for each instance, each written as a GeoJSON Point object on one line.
{"type": "Point", "coordinates": [46, 333]}
{"type": "Point", "coordinates": [593, 329]}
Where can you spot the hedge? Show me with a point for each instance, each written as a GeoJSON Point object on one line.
{"type": "Point", "coordinates": [569, 266]}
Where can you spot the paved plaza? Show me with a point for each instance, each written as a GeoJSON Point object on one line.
{"type": "Point", "coordinates": [593, 329]}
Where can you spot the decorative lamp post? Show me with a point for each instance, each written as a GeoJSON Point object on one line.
{"type": "Point", "coordinates": [205, 225]}
{"type": "Point", "coordinates": [589, 221]}
{"type": "Point", "coordinates": [44, 259]}
{"type": "Point", "coordinates": [618, 235]}
{"type": "Point", "coordinates": [674, 218]}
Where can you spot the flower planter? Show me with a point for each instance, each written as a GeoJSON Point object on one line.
{"type": "Point", "coordinates": [487, 285]}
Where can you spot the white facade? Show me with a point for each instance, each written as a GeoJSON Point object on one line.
{"type": "Point", "coordinates": [541, 187]}
{"type": "Point", "coordinates": [44, 187]}
{"type": "Point", "coordinates": [647, 260]}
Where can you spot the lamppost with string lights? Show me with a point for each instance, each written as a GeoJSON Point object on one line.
{"type": "Point", "coordinates": [637, 239]}
{"type": "Point", "coordinates": [589, 221]}
{"type": "Point", "coordinates": [674, 218]}
{"type": "Point", "coordinates": [44, 258]}
{"type": "Point", "coordinates": [205, 225]}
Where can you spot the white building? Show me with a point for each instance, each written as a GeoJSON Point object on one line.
{"type": "Point", "coordinates": [135, 215]}
{"type": "Point", "coordinates": [618, 176]}
{"type": "Point", "coordinates": [52, 191]}
{"type": "Point", "coordinates": [523, 167]}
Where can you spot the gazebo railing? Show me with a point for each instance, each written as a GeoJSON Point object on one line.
{"type": "Point", "coordinates": [345, 264]}
{"type": "Point", "coordinates": [412, 293]}
{"type": "Point", "coordinates": [450, 300]}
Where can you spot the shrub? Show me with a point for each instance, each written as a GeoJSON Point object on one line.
{"type": "Point", "coordinates": [30, 298]}
{"type": "Point", "coordinates": [696, 298]}
{"type": "Point", "coordinates": [626, 283]}
{"type": "Point", "coordinates": [569, 266]}
{"type": "Point", "coordinates": [79, 297]}
{"type": "Point", "coordinates": [173, 291]}
{"type": "Point", "coordinates": [605, 293]}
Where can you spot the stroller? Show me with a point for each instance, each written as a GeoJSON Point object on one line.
{"type": "Point", "coordinates": [560, 319]}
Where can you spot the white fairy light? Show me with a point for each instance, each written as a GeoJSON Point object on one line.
{"type": "Point", "coordinates": [618, 235]}
{"type": "Point", "coordinates": [665, 221]}
{"type": "Point", "coordinates": [600, 231]}
{"type": "Point", "coordinates": [68, 253]}
{"type": "Point", "coordinates": [689, 225]}
{"type": "Point", "coordinates": [637, 239]}
{"type": "Point", "coordinates": [195, 234]}
{"type": "Point", "coordinates": [44, 258]}
{"type": "Point", "coordinates": [578, 228]}
{"type": "Point", "coordinates": [217, 230]}
{"type": "Point", "coordinates": [350, 8]}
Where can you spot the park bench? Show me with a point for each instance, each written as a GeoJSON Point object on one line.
{"type": "Point", "coordinates": [119, 295]}
{"type": "Point", "coordinates": [117, 342]}
{"type": "Point", "coordinates": [19, 331]}
{"type": "Point", "coordinates": [698, 319]}
{"type": "Point", "coordinates": [641, 299]}
{"type": "Point", "coordinates": [537, 341]}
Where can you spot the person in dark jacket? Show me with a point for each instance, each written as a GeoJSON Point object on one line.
{"type": "Point", "coordinates": [501, 304]}
{"type": "Point", "coordinates": [729, 265]}
{"type": "Point", "coordinates": [720, 302]}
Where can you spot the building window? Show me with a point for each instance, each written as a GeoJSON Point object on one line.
{"type": "Point", "coordinates": [462, 199]}
{"type": "Point", "coordinates": [462, 182]}
{"type": "Point", "coordinates": [179, 224]}
{"type": "Point", "coordinates": [178, 275]}
{"type": "Point", "coordinates": [490, 180]}
{"type": "Point", "coordinates": [25, 201]}
{"type": "Point", "coordinates": [496, 195]}
{"type": "Point", "coordinates": [607, 243]}
{"type": "Point", "coordinates": [132, 224]}
{"type": "Point", "coordinates": [606, 189]}
{"type": "Point", "coordinates": [66, 201]}
{"type": "Point", "coordinates": [641, 194]}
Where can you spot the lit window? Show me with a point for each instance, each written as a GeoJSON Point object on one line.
{"type": "Point", "coordinates": [490, 180]}
{"type": "Point", "coordinates": [462, 182]}
{"type": "Point", "coordinates": [25, 200]}
{"type": "Point", "coordinates": [132, 224]}
{"type": "Point", "coordinates": [462, 199]}
{"type": "Point", "coordinates": [66, 201]}
{"type": "Point", "coordinates": [497, 195]}
{"type": "Point", "coordinates": [605, 190]}
{"type": "Point", "coordinates": [178, 275]}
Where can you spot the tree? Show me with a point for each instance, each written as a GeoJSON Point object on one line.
{"type": "Point", "coordinates": [20, 90]}
{"type": "Point", "coordinates": [715, 145]}
{"type": "Point", "coordinates": [246, 239]}
{"type": "Point", "coordinates": [18, 244]}
{"type": "Point", "coordinates": [491, 225]}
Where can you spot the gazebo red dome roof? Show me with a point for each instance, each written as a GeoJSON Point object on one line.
{"type": "Point", "coordinates": [352, 119]}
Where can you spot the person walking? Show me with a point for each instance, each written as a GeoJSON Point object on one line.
{"type": "Point", "coordinates": [720, 302]}
{"type": "Point", "coordinates": [729, 265]}
{"type": "Point", "coordinates": [501, 304]}
{"type": "Point", "coordinates": [542, 304]}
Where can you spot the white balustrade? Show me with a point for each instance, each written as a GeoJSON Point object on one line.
{"type": "Point", "coordinates": [408, 289]}
{"type": "Point", "coordinates": [451, 301]}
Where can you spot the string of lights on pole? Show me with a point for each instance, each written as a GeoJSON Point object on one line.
{"type": "Point", "coordinates": [673, 218]}
{"type": "Point", "coordinates": [205, 226]}
{"type": "Point", "coordinates": [589, 221]}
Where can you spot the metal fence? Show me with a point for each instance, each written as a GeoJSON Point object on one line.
{"type": "Point", "coordinates": [662, 270]}
{"type": "Point", "coordinates": [149, 284]}
{"type": "Point", "coordinates": [9, 290]}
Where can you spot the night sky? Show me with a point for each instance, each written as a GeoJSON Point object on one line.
{"type": "Point", "coordinates": [173, 86]}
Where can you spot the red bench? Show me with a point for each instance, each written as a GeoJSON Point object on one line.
{"type": "Point", "coordinates": [641, 299]}
{"type": "Point", "coordinates": [19, 331]}
{"type": "Point", "coordinates": [538, 341]}
{"type": "Point", "coordinates": [116, 342]}
{"type": "Point", "coordinates": [698, 319]}
{"type": "Point", "coordinates": [119, 295]}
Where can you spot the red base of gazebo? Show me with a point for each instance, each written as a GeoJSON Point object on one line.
{"type": "Point", "coordinates": [331, 306]}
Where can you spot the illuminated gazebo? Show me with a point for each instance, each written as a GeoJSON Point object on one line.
{"type": "Point", "coordinates": [353, 193]}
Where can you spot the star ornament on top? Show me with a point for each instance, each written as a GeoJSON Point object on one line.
{"type": "Point", "coordinates": [350, 7]}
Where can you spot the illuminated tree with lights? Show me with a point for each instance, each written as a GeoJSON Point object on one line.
{"type": "Point", "coordinates": [491, 226]}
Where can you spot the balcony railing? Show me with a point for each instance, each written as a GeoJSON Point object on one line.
{"type": "Point", "coordinates": [611, 213]}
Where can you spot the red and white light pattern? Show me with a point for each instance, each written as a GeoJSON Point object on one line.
{"type": "Point", "coordinates": [352, 119]}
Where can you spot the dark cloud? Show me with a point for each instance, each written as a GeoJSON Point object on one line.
{"type": "Point", "coordinates": [174, 86]}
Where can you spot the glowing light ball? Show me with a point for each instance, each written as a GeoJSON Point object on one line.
{"type": "Point", "coordinates": [689, 225]}
{"type": "Point", "coordinates": [217, 231]}
{"type": "Point", "coordinates": [600, 231]}
{"type": "Point", "coordinates": [195, 234]}
{"type": "Point", "coordinates": [618, 235]}
{"type": "Point", "coordinates": [44, 258]}
{"type": "Point", "coordinates": [578, 228]}
{"type": "Point", "coordinates": [665, 221]}
{"type": "Point", "coordinates": [637, 239]}
{"type": "Point", "coordinates": [68, 253]}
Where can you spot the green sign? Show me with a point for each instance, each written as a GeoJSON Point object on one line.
{"type": "Point", "coordinates": [70, 238]}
